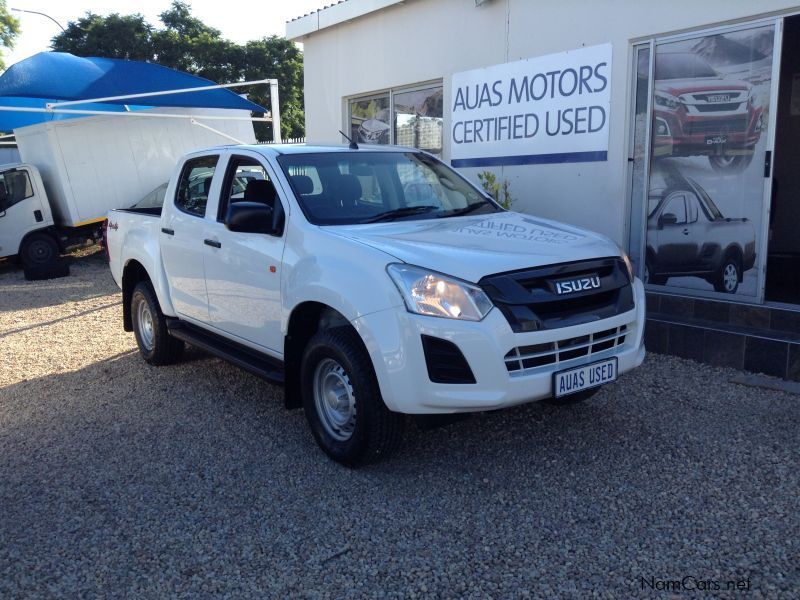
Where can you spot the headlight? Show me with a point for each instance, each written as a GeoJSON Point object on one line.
{"type": "Point", "coordinates": [430, 293]}
{"type": "Point", "coordinates": [667, 101]}
{"type": "Point", "coordinates": [627, 261]}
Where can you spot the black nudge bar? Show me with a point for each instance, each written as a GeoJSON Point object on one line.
{"type": "Point", "coordinates": [530, 302]}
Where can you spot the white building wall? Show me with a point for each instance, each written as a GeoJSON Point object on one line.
{"type": "Point", "coordinates": [423, 40]}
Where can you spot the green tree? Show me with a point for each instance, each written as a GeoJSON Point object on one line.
{"type": "Point", "coordinates": [187, 44]}
{"type": "Point", "coordinates": [9, 30]}
{"type": "Point", "coordinates": [276, 58]}
{"type": "Point", "coordinates": [112, 36]}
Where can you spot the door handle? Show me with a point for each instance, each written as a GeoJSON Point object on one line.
{"type": "Point", "coordinates": [167, 231]}
{"type": "Point", "coordinates": [685, 232]}
{"type": "Point", "coordinates": [212, 243]}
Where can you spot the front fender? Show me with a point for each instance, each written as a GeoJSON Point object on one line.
{"type": "Point", "coordinates": [348, 276]}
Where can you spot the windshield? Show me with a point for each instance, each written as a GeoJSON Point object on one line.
{"type": "Point", "coordinates": [682, 66]}
{"type": "Point", "coordinates": [339, 188]}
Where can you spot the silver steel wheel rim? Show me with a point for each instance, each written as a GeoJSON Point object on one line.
{"type": "Point", "coordinates": [730, 277]}
{"type": "Point", "coordinates": [725, 161]}
{"type": "Point", "coordinates": [335, 400]}
{"type": "Point", "coordinates": [145, 325]}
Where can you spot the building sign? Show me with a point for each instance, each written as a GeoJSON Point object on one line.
{"type": "Point", "coordinates": [548, 109]}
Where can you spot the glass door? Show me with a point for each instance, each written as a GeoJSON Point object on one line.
{"type": "Point", "coordinates": [710, 136]}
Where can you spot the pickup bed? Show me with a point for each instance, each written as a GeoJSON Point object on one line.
{"type": "Point", "coordinates": [372, 283]}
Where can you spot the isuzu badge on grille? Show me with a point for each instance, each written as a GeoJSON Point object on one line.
{"type": "Point", "coordinates": [569, 286]}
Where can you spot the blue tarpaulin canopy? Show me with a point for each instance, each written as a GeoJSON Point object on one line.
{"type": "Point", "coordinates": [59, 76]}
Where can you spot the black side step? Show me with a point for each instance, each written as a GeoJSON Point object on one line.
{"type": "Point", "coordinates": [250, 360]}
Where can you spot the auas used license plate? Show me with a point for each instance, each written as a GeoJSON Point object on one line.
{"type": "Point", "coordinates": [585, 377]}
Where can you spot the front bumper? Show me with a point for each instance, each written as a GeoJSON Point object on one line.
{"type": "Point", "coordinates": [690, 135]}
{"type": "Point", "coordinates": [393, 339]}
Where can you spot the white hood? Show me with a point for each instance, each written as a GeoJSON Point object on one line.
{"type": "Point", "coordinates": [472, 247]}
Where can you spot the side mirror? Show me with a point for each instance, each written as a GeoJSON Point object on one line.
{"type": "Point", "coordinates": [250, 217]}
{"type": "Point", "coordinates": [667, 219]}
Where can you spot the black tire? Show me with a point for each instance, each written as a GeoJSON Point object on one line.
{"type": "Point", "coordinates": [37, 250]}
{"type": "Point", "coordinates": [728, 277]}
{"type": "Point", "coordinates": [155, 343]}
{"type": "Point", "coordinates": [730, 164]}
{"type": "Point", "coordinates": [572, 398]}
{"type": "Point", "coordinates": [57, 268]}
{"type": "Point", "coordinates": [359, 429]}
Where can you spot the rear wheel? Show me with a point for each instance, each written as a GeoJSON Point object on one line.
{"type": "Point", "coordinates": [37, 250]}
{"type": "Point", "coordinates": [342, 400]}
{"type": "Point", "coordinates": [730, 164]}
{"type": "Point", "coordinates": [155, 343]}
{"type": "Point", "coordinates": [727, 280]}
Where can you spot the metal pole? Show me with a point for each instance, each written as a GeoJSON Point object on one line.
{"type": "Point", "coordinates": [217, 131]}
{"type": "Point", "coordinates": [34, 12]}
{"type": "Point", "coordinates": [163, 92]}
{"type": "Point", "coordinates": [138, 113]}
{"type": "Point", "coordinates": [276, 111]}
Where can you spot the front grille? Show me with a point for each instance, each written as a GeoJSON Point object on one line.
{"type": "Point", "coordinates": [529, 301]}
{"type": "Point", "coordinates": [716, 126]}
{"type": "Point", "coordinates": [723, 107]}
{"type": "Point", "coordinates": [523, 358]}
{"type": "Point", "coordinates": [445, 362]}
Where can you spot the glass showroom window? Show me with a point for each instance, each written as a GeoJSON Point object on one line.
{"type": "Point", "coordinates": [369, 120]}
{"type": "Point", "coordinates": [407, 117]}
{"type": "Point", "coordinates": [418, 119]}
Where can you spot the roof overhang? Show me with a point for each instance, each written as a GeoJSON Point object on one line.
{"type": "Point", "coordinates": [344, 11]}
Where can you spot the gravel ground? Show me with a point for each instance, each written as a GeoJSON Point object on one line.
{"type": "Point", "coordinates": [120, 479]}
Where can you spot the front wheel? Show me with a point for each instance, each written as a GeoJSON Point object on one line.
{"type": "Point", "coordinates": [727, 280]}
{"type": "Point", "coordinates": [651, 279]}
{"type": "Point", "coordinates": [38, 250]}
{"type": "Point", "coordinates": [155, 343]}
{"type": "Point", "coordinates": [730, 164]}
{"type": "Point", "coordinates": [342, 400]}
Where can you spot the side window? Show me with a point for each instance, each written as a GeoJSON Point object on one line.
{"type": "Point", "coordinates": [676, 206]}
{"type": "Point", "coordinates": [15, 186]}
{"type": "Point", "coordinates": [245, 181]}
{"type": "Point", "coordinates": [192, 195]}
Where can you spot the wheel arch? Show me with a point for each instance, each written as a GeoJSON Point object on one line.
{"type": "Point", "coordinates": [132, 274]}
{"type": "Point", "coordinates": [305, 320]}
{"type": "Point", "coordinates": [48, 231]}
{"type": "Point", "coordinates": [735, 251]}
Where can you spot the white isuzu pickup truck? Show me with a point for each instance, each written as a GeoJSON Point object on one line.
{"type": "Point", "coordinates": [372, 282]}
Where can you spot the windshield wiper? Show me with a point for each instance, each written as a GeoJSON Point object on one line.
{"type": "Point", "coordinates": [405, 211]}
{"type": "Point", "coordinates": [466, 210]}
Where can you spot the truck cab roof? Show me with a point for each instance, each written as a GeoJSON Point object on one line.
{"type": "Point", "coordinates": [278, 149]}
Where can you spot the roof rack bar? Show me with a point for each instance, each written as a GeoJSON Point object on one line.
{"type": "Point", "coordinates": [161, 93]}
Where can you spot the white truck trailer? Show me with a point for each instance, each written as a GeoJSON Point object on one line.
{"type": "Point", "coordinates": [72, 172]}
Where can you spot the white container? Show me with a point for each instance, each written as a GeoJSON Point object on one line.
{"type": "Point", "coordinates": [94, 164]}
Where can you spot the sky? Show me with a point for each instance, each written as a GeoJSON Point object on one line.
{"type": "Point", "coordinates": [238, 20]}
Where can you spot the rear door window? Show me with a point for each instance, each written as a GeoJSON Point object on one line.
{"type": "Point", "coordinates": [194, 185]}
